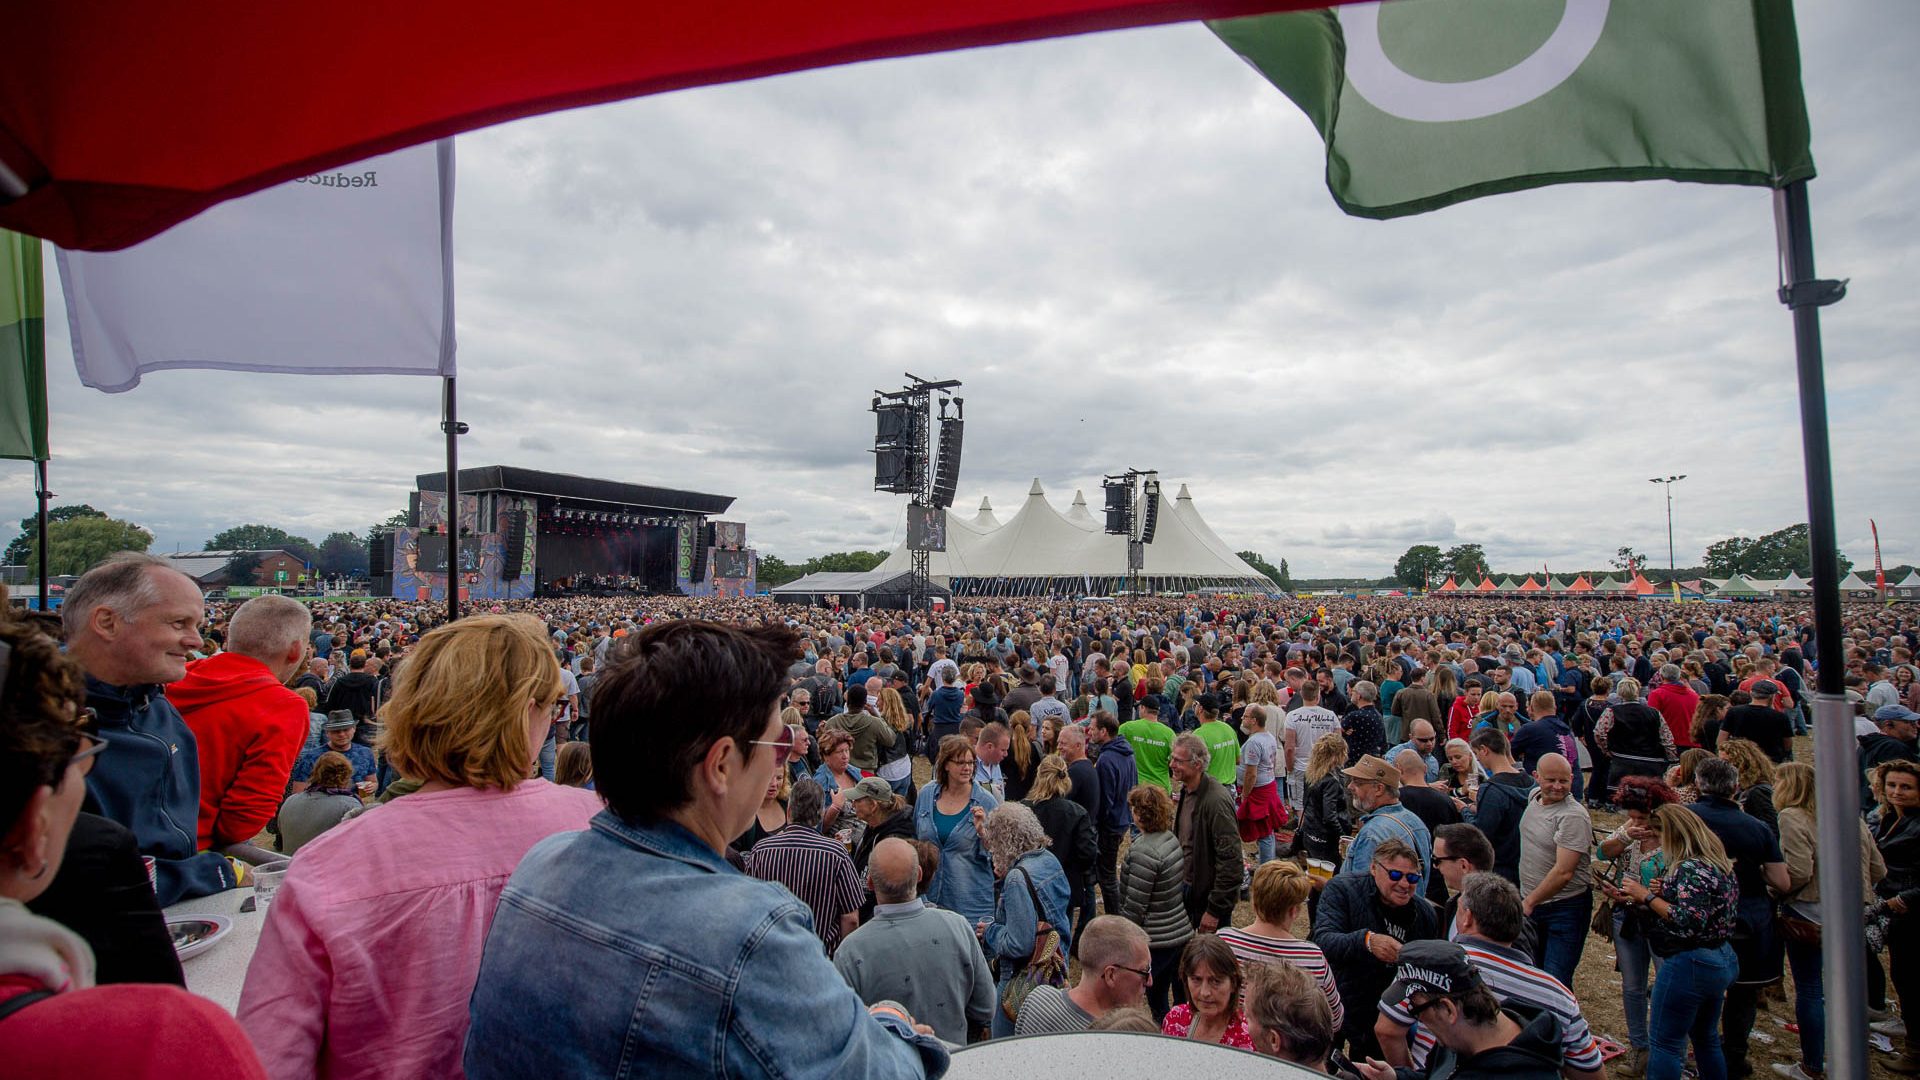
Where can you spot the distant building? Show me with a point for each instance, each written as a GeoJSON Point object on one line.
{"type": "Point", "coordinates": [277, 569]}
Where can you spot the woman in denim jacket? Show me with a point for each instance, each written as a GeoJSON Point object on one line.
{"type": "Point", "coordinates": [964, 881]}
{"type": "Point", "coordinates": [1018, 846]}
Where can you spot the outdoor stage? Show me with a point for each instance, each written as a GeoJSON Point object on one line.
{"type": "Point", "coordinates": [526, 533]}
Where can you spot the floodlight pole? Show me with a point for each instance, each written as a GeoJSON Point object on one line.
{"type": "Point", "coordinates": [1672, 573]}
{"type": "Point", "coordinates": [1835, 751]}
{"type": "Point", "coordinates": [451, 425]}
{"type": "Point", "coordinates": [43, 495]}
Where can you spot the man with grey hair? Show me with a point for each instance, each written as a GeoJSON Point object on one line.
{"type": "Point", "coordinates": [924, 958]}
{"type": "Point", "coordinates": [248, 725]}
{"type": "Point", "coordinates": [1362, 726]}
{"type": "Point", "coordinates": [816, 869]}
{"type": "Point", "coordinates": [1208, 834]}
{"type": "Point", "coordinates": [132, 623]}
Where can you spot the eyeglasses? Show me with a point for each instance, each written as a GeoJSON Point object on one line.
{"type": "Point", "coordinates": [1408, 876]}
{"type": "Point", "coordinates": [84, 759]}
{"type": "Point", "coordinates": [782, 746]}
{"type": "Point", "coordinates": [1416, 1010]}
{"type": "Point", "coordinates": [1146, 974]}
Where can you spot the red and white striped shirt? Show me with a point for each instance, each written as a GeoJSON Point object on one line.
{"type": "Point", "coordinates": [1255, 949]}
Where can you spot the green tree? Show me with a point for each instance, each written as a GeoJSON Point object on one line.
{"type": "Point", "coordinates": [396, 521]}
{"type": "Point", "coordinates": [1419, 566]}
{"type": "Point", "coordinates": [1626, 558]}
{"type": "Point", "coordinates": [1726, 557]}
{"type": "Point", "coordinates": [1259, 562]}
{"type": "Point", "coordinates": [342, 553]}
{"type": "Point", "coordinates": [1285, 580]}
{"type": "Point", "coordinates": [241, 567]}
{"type": "Point", "coordinates": [775, 570]}
{"type": "Point", "coordinates": [1465, 561]}
{"type": "Point", "coordinates": [262, 538]}
{"type": "Point", "coordinates": [77, 544]}
{"type": "Point", "coordinates": [22, 545]}
{"type": "Point", "coordinates": [1787, 551]}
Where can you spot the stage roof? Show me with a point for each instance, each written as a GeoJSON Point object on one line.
{"type": "Point", "coordinates": [568, 486]}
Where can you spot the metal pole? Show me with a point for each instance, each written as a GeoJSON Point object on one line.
{"type": "Point", "coordinates": [40, 473]}
{"type": "Point", "coordinates": [1835, 752]}
{"type": "Point", "coordinates": [1670, 561]}
{"type": "Point", "coordinates": [450, 423]}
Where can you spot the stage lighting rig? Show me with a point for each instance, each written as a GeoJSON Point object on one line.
{"type": "Point", "coordinates": [904, 463]}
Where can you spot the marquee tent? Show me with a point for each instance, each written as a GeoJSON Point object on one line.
{"type": "Point", "coordinates": [873, 588]}
{"type": "Point", "coordinates": [1580, 584]}
{"type": "Point", "coordinates": [1908, 588]}
{"type": "Point", "coordinates": [1451, 586]}
{"type": "Point", "coordinates": [1851, 586]}
{"type": "Point", "coordinates": [1040, 551]}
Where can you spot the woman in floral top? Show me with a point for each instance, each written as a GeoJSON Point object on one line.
{"type": "Point", "coordinates": [1633, 854]}
{"type": "Point", "coordinates": [1211, 975]}
{"type": "Point", "coordinates": [1692, 906]}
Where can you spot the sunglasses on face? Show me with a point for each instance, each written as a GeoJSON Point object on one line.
{"type": "Point", "coordinates": [782, 746]}
{"type": "Point", "coordinates": [1409, 876]}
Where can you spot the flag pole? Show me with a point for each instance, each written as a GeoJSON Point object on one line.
{"type": "Point", "coordinates": [40, 474]}
{"type": "Point", "coordinates": [450, 423]}
{"type": "Point", "coordinates": [1834, 748]}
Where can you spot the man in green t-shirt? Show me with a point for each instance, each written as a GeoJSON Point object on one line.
{"type": "Point", "coordinates": [1223, 745]}
{"type": "Point", "coordinates": [1152, 743]}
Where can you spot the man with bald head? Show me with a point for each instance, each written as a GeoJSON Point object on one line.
{"type": "Point", "coordinates": [1421, 739]}
{"type": "Point", "coordinates": [1556, 843]}
{"type": "Point", "coordinates": [1432, 805]}
{"type": "Point", "coordinates": [924, 958]}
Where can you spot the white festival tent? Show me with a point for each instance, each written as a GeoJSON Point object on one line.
{"type": "Point", "coordinates": [1040, 551]}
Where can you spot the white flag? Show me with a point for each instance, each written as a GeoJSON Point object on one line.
{"type": "Point", "coordinates": [346, 272]}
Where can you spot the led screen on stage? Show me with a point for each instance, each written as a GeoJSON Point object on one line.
{"type": "Point", "coordinates": [926, 528]}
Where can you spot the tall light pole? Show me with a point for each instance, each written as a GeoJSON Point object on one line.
{"type": "Point", "coordinates": [1668, 483]}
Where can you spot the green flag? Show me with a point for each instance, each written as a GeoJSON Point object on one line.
{"type": "Point", "coordinates": [1423, 105]}
{"type": "Point", "coordinates": [23, 354]}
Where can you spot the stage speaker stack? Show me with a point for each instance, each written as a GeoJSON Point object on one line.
{"type": "Point", "coordinates": [946, 475]}
{"type": "Point", "coordinates": [1151, 517]}
{"type": "Point", "coordinates": [516, 546]}
{"type": "Point", "coordinates": [380, 563]}
{"type": "Point", "coordinates": [1117, 507]}
{"type": "Point", "coordinates": [702, 543]}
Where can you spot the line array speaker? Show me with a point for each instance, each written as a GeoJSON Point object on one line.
{"type": "Point", "coordinates": [702, 542]}
{"type": "Point", "coordinates": [516, 546]}
{"type": "Point", "coordinates": [946, 475]}
{"type": "Point", "coordinates": [1151, 518]}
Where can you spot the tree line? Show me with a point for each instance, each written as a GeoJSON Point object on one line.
{"type": "Point", "coordinates": [1775, 555]}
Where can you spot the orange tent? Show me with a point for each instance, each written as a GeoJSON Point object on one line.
{"type": "Point", "coordinates": [1486, 586]}
{"type": "Point", "coordinates": [1580, 584]}
{"type": "Point", "coordinates": [1450, 586]}
{"type": "Point", "coordinates": [1530, 585]}
{"type": "Point", "coordinates": [1640, 586]}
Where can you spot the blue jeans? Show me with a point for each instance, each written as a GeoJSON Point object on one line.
{"type": "Point", "coordinates": [1687, 996]}
{"type": "Point", "coordinates": [1265, 846]}
{"type": "Point", "coordinates": [1809, 1004]}
{"type": "Point", "coordinates": [1635, 956]}
{"type": "Point", "coordinates": [548, 753]}
{"type": "Point", "coordinates": [1562, 927]}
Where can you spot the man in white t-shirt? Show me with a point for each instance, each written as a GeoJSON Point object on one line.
{"type": "Point", "coordinates": [1305, 726]}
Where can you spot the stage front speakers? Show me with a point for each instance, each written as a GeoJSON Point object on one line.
{"type": "Point", "coordinates": [946, 475]}
{"type": "Point", "coordinates": [897, 471]}
{"type": "Point", "coordinates": [893, 425]}
{"type": "Point", "coordinates": [1150, 518]}
{"type": "Point", "coordinates": [702, 543]}
{"type": "Point", "coordinates": [380, 553]}
{"type": "Point", "coordinates": [516, 546]}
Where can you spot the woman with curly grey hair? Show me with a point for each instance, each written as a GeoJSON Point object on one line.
{"type": "Point", "coordinates": [1033, 900]}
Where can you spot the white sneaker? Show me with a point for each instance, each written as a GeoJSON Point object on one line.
{"type": "Point", "coordinates": [1892, 1025]}
{"type": "Point", "coordinates": [1792, 1071]}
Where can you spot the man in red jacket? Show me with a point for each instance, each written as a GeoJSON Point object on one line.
{"type": "Point", "coordinates": [249, 726]}
{"type": "Point", "coordinates": [1676, 702]}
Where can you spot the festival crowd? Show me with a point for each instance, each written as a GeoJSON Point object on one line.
{"type": "Point", "coordinates": [665, 836]}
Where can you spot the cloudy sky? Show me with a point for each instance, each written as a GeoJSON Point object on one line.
{"type": "Point", "coordinates": [1123, 245]}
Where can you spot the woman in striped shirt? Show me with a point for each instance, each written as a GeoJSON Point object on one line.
{"type": "Point", "coordinates": [1279, 891]}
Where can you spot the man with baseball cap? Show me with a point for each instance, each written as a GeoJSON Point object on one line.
{"type": "Point", "coordinates": [1373, 791]}
{"type": "Point", "coordinates": [1477, 1037]}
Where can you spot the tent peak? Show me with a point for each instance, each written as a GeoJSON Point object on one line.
{"type": "Point", "coordinates": [1183, 493]}
{"type": "Point", "coordinates": [1036, 490]}
{"type": "Point", "coordinates": [1079, 497]}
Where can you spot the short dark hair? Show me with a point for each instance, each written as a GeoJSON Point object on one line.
{"type": "Point", "coordinates": [1106, 722]}
{"type": "Point", "coordinates": [1211, 951]}
{"type": "Point", "coordinates": [856, 697]}
{"type": "Point", "coordinates": [806, 804]}
{"type": "Point", "coordinates": [1467, 842]}
{"type": "Point", "coordinates": [678, 687]}
{"type": "Point", "coordinates": [1495, 903]}
{"type": "Point", "coordinates": [1491, 739]}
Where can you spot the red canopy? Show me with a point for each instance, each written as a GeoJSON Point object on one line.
{"type": "Point", "coordinates": [1531, 585]}
{"type": "Point", "coordinates": [1640, 586]}
{"type": "Point", "coordinates": [119, 120]}
{"type": "Point", "coordinates": [1486, 585]}
{"type": "Point", "coordinates": [1580, 584]}
{"type": "Point", "coordinates": [1450, 586]}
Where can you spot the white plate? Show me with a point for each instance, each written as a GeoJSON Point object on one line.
{"type": "Point", "coordinates": [195, 934]}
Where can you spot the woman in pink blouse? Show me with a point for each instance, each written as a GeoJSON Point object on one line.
{"type": "Point", "coordinates": [1212, 1013]}
{"type": "Point", "coordinates": [369, 952]}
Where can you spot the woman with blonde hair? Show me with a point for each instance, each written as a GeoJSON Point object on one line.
{"type": "Point", "coordinates": [948, 812]}
{"type": "Point", "coordinates": [1068, 827]}
{"type": "Point", "coordinates": [896, 761]}
{"type": "Point", "coordinates": [1756, 780]}
{"type": "Point", "coordinates": [1800, 907]}
{"type": "Point", "coordinates": [1680, 777]}
{"type": "Point", "coordinates": [1023, 753]}
{"type": "Point", "coordinates": [1691, 909]}
{"type": "Point", "coordinates": [370, 951]}
{"type": "Point", "coordinates": [1280, 890]}
{"type": "Point", "coordinates": [1323, 815]}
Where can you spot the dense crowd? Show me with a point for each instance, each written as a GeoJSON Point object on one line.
{"type": "Point", "coordinates": [665, 836]}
